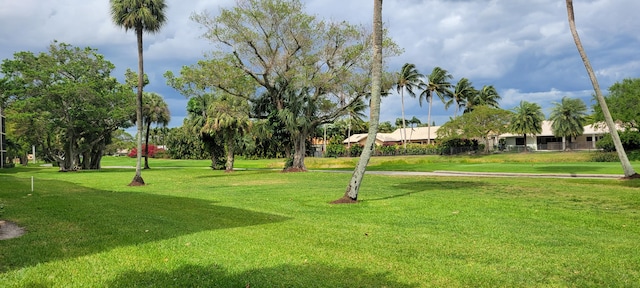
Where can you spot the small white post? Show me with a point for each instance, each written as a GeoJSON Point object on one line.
{"type": "Point", "coordinates": [33, 151]}
{"type": "Point", "coordinates": [31, 183]}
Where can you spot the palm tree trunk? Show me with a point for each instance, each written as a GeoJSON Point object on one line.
{"type": "Point", "coordinates": [404, 132]}
{"type": "Point", "coordinates": [230, 147]}
{"type": "Point", "coordinates": [137, 179]}
{"type": "Point", "coordinates": [146, 147]}
{"type": "Point", "coordinates": [429, 122]}
{"type": "Point", "coordinates": [351, 194]}
{"type": "Point", "coordinates": [626, 165]}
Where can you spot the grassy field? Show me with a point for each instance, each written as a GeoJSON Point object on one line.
{"type": "Point", "coordinates": [194, 227]}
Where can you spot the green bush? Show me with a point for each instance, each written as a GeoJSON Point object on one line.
{"type": "Point", "coordinates": [603, 156]}
{"type": "Point", "coordinates": [355, 150]}
{"type": "Point", "coordinates": [387, 150]}
{"type": "Point", "coordinates": [630, 141]}
{"type": "Point", "coordinates": [335, 150]}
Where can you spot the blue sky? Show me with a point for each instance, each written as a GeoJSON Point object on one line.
{"type": "Point", "coordinates": [522, 47]}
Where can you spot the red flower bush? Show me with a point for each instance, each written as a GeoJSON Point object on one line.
{"type": "Point", "coordinates": [153, 149]}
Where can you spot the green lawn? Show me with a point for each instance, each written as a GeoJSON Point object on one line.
{"type": "Point", "coordinates": [194, 227]}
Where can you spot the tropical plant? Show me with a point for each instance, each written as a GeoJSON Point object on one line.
{"type": "Point", "coordinates": [624, 161]}
{"type": "Point", "coordinates": [140, 16]}
{"type": "Point", "coordinates": [568, 118]}
{"type": "Point", "coordinates": [527, 119]}
{"type": "Point", "coordinates": [438, 83]}
{"type": "Point", "coordinates": [461, 92]}
{"type": "Point", "coordinates": [228, 117]}
{"type": "Point", "coordinates": [486, 96]}
{"type": "Point", "coordinates": [408, 79]}
{"type": "Point", "coordinates": [154, 110]}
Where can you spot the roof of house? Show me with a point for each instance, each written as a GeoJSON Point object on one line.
{"type": "Point", "coordinates": [412, 134]}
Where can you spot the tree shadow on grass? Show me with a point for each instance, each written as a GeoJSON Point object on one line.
{"type": "Point", "coordinates": [65, 220]}
{"type": "Point", "coordinates": [303, 275]}
{"type": "Point", "coordinates": [567, 169]}
{"type": "Point", "coordinates": [408, 188]}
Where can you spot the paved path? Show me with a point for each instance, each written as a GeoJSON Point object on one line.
{"type": "Point", "coordinates": [485, 174]}
{"type": "Point", "coordinates": [450, 173]}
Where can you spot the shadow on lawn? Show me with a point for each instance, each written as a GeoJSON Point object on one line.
{"type": "Point", "coordinates": [427, 185]}
{"type": "Point", "coordinates": [65, 220]}
{"type": "Point", "coordinates": [567, 169]}
{"type": "Point", "coordinates": [304, 275]}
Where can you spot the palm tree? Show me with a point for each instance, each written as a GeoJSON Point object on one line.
{"type": "Point", "coordinates": [228, 117]}
{"type": "Point", "coordinates": [487, 96]}
{"type": "Point", "coordinates": [351, 193]}
{"type": "Point", "coordinates": [408, 79]}
{"type": "Point", "coordinates": [154, 110]}
{"type": "Point", "coordinates": [438, 83]}
{"type": "Point", "coordinates": [461, 92]}
{"type": "Point", "coordinates": [626, 165]}
{"type": "Point", "coordinates": [527, 119]}
{"type": "Point", "coordinates": [141, 16]}
{"type": "Point", "coordinates": [568, 118]}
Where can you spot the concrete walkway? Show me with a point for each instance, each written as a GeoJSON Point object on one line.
{"type": "Point", "coordinates": [485, 174]}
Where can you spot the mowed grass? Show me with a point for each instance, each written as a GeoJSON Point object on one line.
{"type": "Point", "coordinates": [194, 227]}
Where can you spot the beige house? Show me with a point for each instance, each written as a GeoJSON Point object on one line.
{"type": "Point", "coordinates": [547, 141]}
{"type": "Point", "coordinates": [420, 135]}
{"type": "Point", "coordinates": [543, 141]}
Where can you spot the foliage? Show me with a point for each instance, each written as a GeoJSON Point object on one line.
{"type": "Point", "coordinates": [458, 145]}
{"type": "Point", "coordinates": [387, 150]}
{"type": "Point", "coordinates": [568, 118]}
{"type": "Point", "coordinates": [605, 156]}
{"type": "Point", "coordinates": [482, 122]}
{"type": "Point", "coordinates": [462, 92]}
{"type": "Point", "coordinates": [151, 150]}
{"type": "Point", "coordinates": [527, 119]}
{"type": "Point", "coordinates": [623, 102]}
{"type": "Point", "coordinates": [355, 150]}
{"type": "Point", "coordinates": [183, 144]}
{"type": "Point", "coordinates": [630, 141]}
{"type": "Point", "coordinates": [66, 103]}
{"type": "Point", "coordinates": [302, 66]}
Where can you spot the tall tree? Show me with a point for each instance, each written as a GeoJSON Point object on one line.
{"type": "Point", "coordinates": [69, 103]}
{"type": "Point", "coordinates": [408, 79]}
{"type": "Point", "coordinates": [568, 118]}
{"type": "Point", "coordinates": [297, 61]}
{"type": "Point", "coordinates": [624, 104]}
{"type": "Point", "coordinates": [437, 83]}
{"type": "Point", "coordinates": [482, 122]}
{"type": "Point", "coordinates": [228, 118]}
{"type": "Point", "coordinates": [351, 193]}
{"type": "Point", "coordinates": [154, 110]}
{"type": "Point", "coordinates": [460, 94]}
{"type": "Point", "coordinates": [486, 96]}
{"type": "Point", "coordinates": [527, 119]}
{"type": "Point", "coordinates": [626, 165]}
{"type": "Point", "coordinates": [140, 16]}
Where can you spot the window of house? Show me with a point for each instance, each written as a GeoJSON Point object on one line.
{"type": "Point", "coordinates": [520, 141]}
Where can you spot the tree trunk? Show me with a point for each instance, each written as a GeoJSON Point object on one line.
{"type": "Point", "coordinates": [624, 161]}
{"type": "Point", "coordinates": [404, 131]}
{"type": "Point", "coordinates": [230, 153]}
{"type": "Point", "coordinates": [137, 179]}
{"type": "Point", "coordinates": [299, 150]}
{"type": "Point", "coordinates": [146, 147]}
{"type": "Point", "coordinates": [351, 194]}
{"type": "Point", "coordinates": [429, 122]}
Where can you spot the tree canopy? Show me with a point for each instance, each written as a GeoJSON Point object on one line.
{"type": "Point", "coordinates": [69, 103]}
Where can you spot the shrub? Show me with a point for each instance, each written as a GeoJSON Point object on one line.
{"type": "Point", "coordinates": [387, 150]}
{"type": "Point", "coordinates": [355, 150]}
{"type": "Point", "coordinates": [602, 156]}
{"type": "Point", "coordinates": [630, 141]}
{"type": "Point", "coordinates": [153, 150]}
{"type": "Point", "coordinates": [335, 150]}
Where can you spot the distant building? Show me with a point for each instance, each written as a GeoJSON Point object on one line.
{"type": "Point", "coordinates": [543, 141]}
{"type": "Point", "coordinates": [420, 135]}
